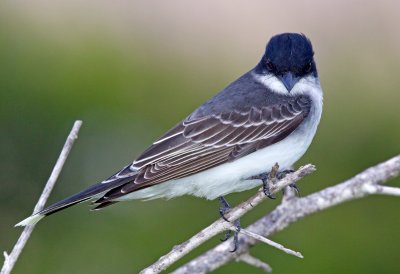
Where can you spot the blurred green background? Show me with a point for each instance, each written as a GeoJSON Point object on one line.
{"type": "Point", "coordinates": [131, 69]}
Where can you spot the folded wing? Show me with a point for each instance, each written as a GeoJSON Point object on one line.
{"type": "Point", "coordinates": [195, 145]}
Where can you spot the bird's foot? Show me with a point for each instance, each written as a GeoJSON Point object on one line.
{"type": "Point", "coordinates": [282, 174]}
{"type": "Point", "coordinates": [264, 177]}
{"type": "Point", "coordinates": [225, 207]}
{"type": "Point", "coordinates": [267, 189]}
{"type": "Point", "coordinates": [269, 178]}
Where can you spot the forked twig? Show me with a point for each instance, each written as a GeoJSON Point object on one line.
{"type": "Point", "coordinates": [11, 259]}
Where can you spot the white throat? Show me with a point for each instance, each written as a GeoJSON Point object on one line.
{"type": "Point", "coordinates": [308, 85]}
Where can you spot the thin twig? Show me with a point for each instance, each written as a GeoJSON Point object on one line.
{"type": "Point", "coordinates": [221, 225]}
{"type": "Point", "coordinates": [268, 242]}
{"type": "Point", "coordinates": [253, 261]}
{"type": "Point", "coordinates": [365, 183]}
{"type": "Point", "coordinates": [10, 259]}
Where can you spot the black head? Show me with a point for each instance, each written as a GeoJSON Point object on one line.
{"type": "Point", "coordinates": [289, 56]}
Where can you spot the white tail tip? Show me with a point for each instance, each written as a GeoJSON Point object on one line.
{"type": "Point", "coordinates": [31, 220]}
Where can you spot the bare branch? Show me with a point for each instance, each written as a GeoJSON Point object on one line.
{"type": "Point", "coordinates": [289, 211]}
{"type": "Point", "coordinates": [384, 190]}
{"type": "Point", "coordinates": [293, 209]}
{"type": "Point", "coordinates": [220, 225]}
{"type": "Point", "coordinates": [10, 260]}
{"type": "Point", "coordinates": [253, 261]}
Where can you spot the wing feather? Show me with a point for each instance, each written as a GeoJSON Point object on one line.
{"type": "Point", "coordinates": [198, 144]}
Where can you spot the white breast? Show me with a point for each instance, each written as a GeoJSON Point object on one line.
{"type": "Point", "coordinates": [231, 177]}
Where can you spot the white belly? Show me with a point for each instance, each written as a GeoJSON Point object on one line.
{"type": "Point", "coordinates": [231, 177]}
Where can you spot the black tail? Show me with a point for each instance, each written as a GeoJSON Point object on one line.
{"type": "Point", "coordinates": [91, 192]}
{"type": "Point", "coordinates": [84, 195]}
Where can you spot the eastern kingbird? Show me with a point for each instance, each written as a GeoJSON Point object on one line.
{"type": "Point", "coordinates": [269, 115]}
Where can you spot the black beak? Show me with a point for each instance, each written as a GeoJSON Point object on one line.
{"type": "Point", "coordinates": [289, 80]}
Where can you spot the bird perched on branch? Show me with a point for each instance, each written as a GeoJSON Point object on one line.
{"type": "Point", "coordinates": [269, 115]}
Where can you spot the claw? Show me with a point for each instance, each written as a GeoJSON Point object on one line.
{"type": "Point", "coordinates": [296, 188]}
{"type": "Point", "coordinates": [227, 235]}
{"type": "Point", "coordinates": [267, 191]}
{"type": "Point", "coordinates": [236, 236]}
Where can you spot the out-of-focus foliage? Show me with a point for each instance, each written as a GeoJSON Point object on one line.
{"type": "Point", "coordinates": [130, 70]}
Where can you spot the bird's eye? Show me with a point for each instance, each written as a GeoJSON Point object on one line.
{"type": "Point", "coordinates": [269, 65]}
{"type": "Point", "coordinates": [307, 68]}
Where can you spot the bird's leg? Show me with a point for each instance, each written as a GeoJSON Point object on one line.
{"type": "Point", "coordinates": [225, 207]}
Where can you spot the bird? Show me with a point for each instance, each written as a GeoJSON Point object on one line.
{"type": "Point", "coordinates": [268, 115]}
